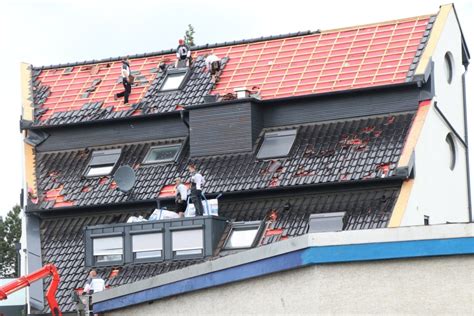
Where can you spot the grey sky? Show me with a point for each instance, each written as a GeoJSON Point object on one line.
{"type": "Point", "coordinates": [45, 32]}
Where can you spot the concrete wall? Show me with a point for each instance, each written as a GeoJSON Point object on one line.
{"type": "Point", "coordinates": [437, 285]}
{"type": "Point", "coordinates": [438, 191]}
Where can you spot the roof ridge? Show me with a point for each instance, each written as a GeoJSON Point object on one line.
{"type": "Point", "coordinates": [227, 43]}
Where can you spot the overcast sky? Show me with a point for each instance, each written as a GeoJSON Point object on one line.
{"type": "Point", "coordinates": [45, 32]}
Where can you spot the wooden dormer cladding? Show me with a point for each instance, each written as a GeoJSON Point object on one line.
{"type": "Point", "coordinates": [224, 129]}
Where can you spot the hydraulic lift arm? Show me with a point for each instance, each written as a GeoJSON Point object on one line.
{"type": "Point", "coordinates": [26, 280]}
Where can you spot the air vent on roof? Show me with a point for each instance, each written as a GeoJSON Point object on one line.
{"type": "Point", "coordinates": [326, 222]}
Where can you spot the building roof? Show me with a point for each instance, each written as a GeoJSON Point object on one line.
{"type": "Point", "coordinates": [62, 236]}
{"type": "Point", "coordinates": [276, 67]}
{"type": "Point", "coordinates": [330, 152]}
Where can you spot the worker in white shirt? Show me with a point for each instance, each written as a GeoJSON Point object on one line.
{"type": "Point", "coordinates": [213, 65]}
{"type": "Point", "coordinates": [94, 283]}
{"type": "Point", "coordinates": [183, 52]}
{"type": "Point", "coordinates": [197, 181]}
{"type": "Point", "coordinates": [181, 197]}
{"type": "Point", "coordinates": [127, 85]}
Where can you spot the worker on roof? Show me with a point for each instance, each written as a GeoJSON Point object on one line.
{"type": "Point", "coordinates": [183, 54]}
{"type": "Point", "coordinates": [181, 196]}
{"type": "Point", "coordinates": [94, 283]}
{"type": "Point", "coordinates": [213, 65]}
{"type": "Point", "coordinates": [197, 181]}
{"type": "Point", "coordinates": [127, 80]}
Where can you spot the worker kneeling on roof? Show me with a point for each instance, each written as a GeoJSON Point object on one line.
{"type": "Point", "coordinates": [213, 65]}
{"type": "Point", "coordinates": [94, 283]}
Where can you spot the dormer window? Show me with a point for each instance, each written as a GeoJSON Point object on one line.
{"type": "Point", "coordinates": [277, 144]}
{"type": "Point", "coordinates": [174, 80]}
{"type": "Point", "coordinates": [188, 242]}
{"type": "Point", "coordinates": [162, 154]}
{"type": "Point", "coordinates": [243, 235]}
{"type": "Point", "coordinates": [146, 246]}
{"type": "Point", "coordinates": [108, 249]}
{"type": "Point", "coordinates": [102, 162]}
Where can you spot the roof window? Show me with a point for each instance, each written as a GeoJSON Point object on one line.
{"type": "Point", "coordinates": [243, 235]}
{"type": "Point", "coordinates": [102, 162]}
{"type": "Point", "coordinates": [277, 144]}
{"type": "Point", "coordinates": [161, 154]}
{"type": "Point", "coordinates": [326, 222]}
{"type": "Point", "coordinates": [108, 249]}
{"type": "Point", "coordinates": [174, 80]}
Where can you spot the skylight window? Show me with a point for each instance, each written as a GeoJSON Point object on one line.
{"type": "Point", "coordinates": [189, 242]}
{"type": "Point", "coordinates": [102, 162]}
{"type": "Point", "coordinates": [243, 235]}
{"type": "Point", "coordinates": [326, 222]}
{"type": "Point", "coordinates": [173, 81]}
{"type": "Point", "coordinates": [107, 249]}
{"type": "Point", "coordinates": [160, 154]}
{"type": "Point", "coordinates": [147, 246]}
{"type": "Point", "coordinates": [277, 144]}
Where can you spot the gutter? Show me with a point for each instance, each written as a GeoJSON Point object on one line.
{"type": "Point", "coordinates": [29, 125]}
{"type": "Point", "coordinates": [387, 180]}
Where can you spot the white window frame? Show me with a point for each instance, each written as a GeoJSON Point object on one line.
{"type": "Point", "coordinates": [178, 145]}
{"type": "Point", "coordinates": [244, 226]}
{"type": "Point", "coordinates": [172, 74]}
{"type": "Point", "coordinates": [107, 252]}
{"type": "Point", "coordinates": [157, 236]}
{"type": "Point", "coordinates": [195, 247]}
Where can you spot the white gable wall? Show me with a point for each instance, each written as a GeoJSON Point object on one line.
{"type": "Point", "coordinates": [438, 191]}
{"type": "Point", "coordinates": [450, 96]}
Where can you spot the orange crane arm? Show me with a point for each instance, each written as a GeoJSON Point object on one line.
{"type": "Point", "coordinates": [26, 280]}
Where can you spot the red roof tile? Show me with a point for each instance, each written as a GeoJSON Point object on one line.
{"type": "Point", "coordinates": [350, 58]}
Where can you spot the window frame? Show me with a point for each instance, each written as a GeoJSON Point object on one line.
{"type": "Point", "coordinates": [112, 162]}
{"type": "Point", "coordinates": [175, 256]}
{"type": "Point", "coordinates": [148, 232]}
{"type": "Point", "coordinates": [173, 72]}
{"type": "Point", "coordinates": [236, 226]}
{"type": "Point", "coordinates": [107, 235]}
{"type": "Point", "coordinates": [276, 134]}
{"type": "Point", "coordinates": [449, 67]}
{"type": "Point", "coordinates": [174, 159]}
{"type": "Point", "coordinates": [453, 151]}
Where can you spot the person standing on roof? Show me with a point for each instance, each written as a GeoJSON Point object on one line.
{"type": "Point", "coordinates": [183, 53]}
{"type": "Point", "coordinates": [197, 181]}
{"type": "Point", "coordinates": [127, 85]}
{"type": "Point", "coordinates": [94, 283]}
{"type": "Point", "coordinates": [213, 65]}
{"type": "Point", "coordinates": [180, 197]}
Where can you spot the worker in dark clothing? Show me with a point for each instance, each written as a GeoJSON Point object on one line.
{"type": "Point", "coordinates": [183, 53]}
{"type": "Point", "coordinates": [126, 81]}
{"type": "Point", "coordinates": [197, 181]}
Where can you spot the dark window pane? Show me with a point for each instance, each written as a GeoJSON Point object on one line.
{"type": "Point", "coordinates": [277, 144]}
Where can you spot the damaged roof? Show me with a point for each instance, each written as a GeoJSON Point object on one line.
{"type": "Point", "coordinates": [62, 237]}
{"type": "Point", "coordinates": [275, 67]}
{"type": "Point", "coordinates": [330, 152]}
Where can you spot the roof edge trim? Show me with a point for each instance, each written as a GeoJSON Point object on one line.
{"type": "Point", "coordinates": [433, 39]}
{"type": "Point", "coordinates": [31, 208]}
